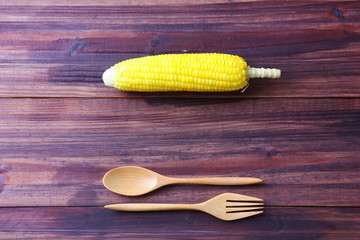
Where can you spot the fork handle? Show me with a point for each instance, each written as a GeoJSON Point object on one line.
{"type": "Point", "coordinates": [218, 180]}
{"type": "Point", "coordinates": [136, 207]}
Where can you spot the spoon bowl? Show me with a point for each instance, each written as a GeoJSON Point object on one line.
{"type": "Point", "coordinates": [131, 180]}
{"type": "Point", "coordinates": [135, 181]}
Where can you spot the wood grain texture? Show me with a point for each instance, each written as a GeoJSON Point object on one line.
{"type": "Point", "coordinates": [61, 50]}
{"type": "Point", "coordinates": [274, 223]}
{"type": "Point", "coordinates": [55, 151]}
{"type": "Point", "coordinates": [61, 129]}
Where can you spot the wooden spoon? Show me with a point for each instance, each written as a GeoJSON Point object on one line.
{"type": "Point", "coordinates": [135, 181]}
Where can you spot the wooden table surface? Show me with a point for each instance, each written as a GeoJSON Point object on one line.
{"type": "Point", "coordinates": [61, 129]}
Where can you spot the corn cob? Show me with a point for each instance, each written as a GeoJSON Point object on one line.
{"type": "Point", "coordinates": [201, 72]}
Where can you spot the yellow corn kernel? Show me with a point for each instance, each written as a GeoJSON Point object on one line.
{"type": "Point", "coordinates": [198, 72]}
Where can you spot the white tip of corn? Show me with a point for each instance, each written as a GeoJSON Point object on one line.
{"type": "Point", "coordinates": [262, 72]}
{"type": "Point", "coordinates": [109, 77]}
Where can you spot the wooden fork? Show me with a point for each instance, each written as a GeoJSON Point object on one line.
{"type": "Point", "coordinates": [226, 206]}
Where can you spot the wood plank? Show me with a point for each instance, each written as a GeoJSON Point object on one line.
{"type": "Point", "coordinates": [54, 152]}
{"type": "Point", "coordinates": [95, 223]}
{"type": "Point", "coordinates": [57, 51]}
{"type": "Point", "coordinates": [125, 3]}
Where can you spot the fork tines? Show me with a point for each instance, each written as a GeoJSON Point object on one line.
{"type": "Point", "coordinates": [237, 206]}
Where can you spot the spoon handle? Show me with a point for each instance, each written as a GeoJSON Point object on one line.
{"type": "Point", "coordinates": [135, 207]}
{"type": "Point", "coordinates": [218, 180]}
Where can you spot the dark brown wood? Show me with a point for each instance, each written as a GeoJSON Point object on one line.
{"type": "Point", "coordinates": [96, 223]}
{"type": "Point", "coordinates": [61, 129]}
{"type": "Point", "coordinates": [306, 150]}
{"type": "Point", "coordinates": [62, 50]}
